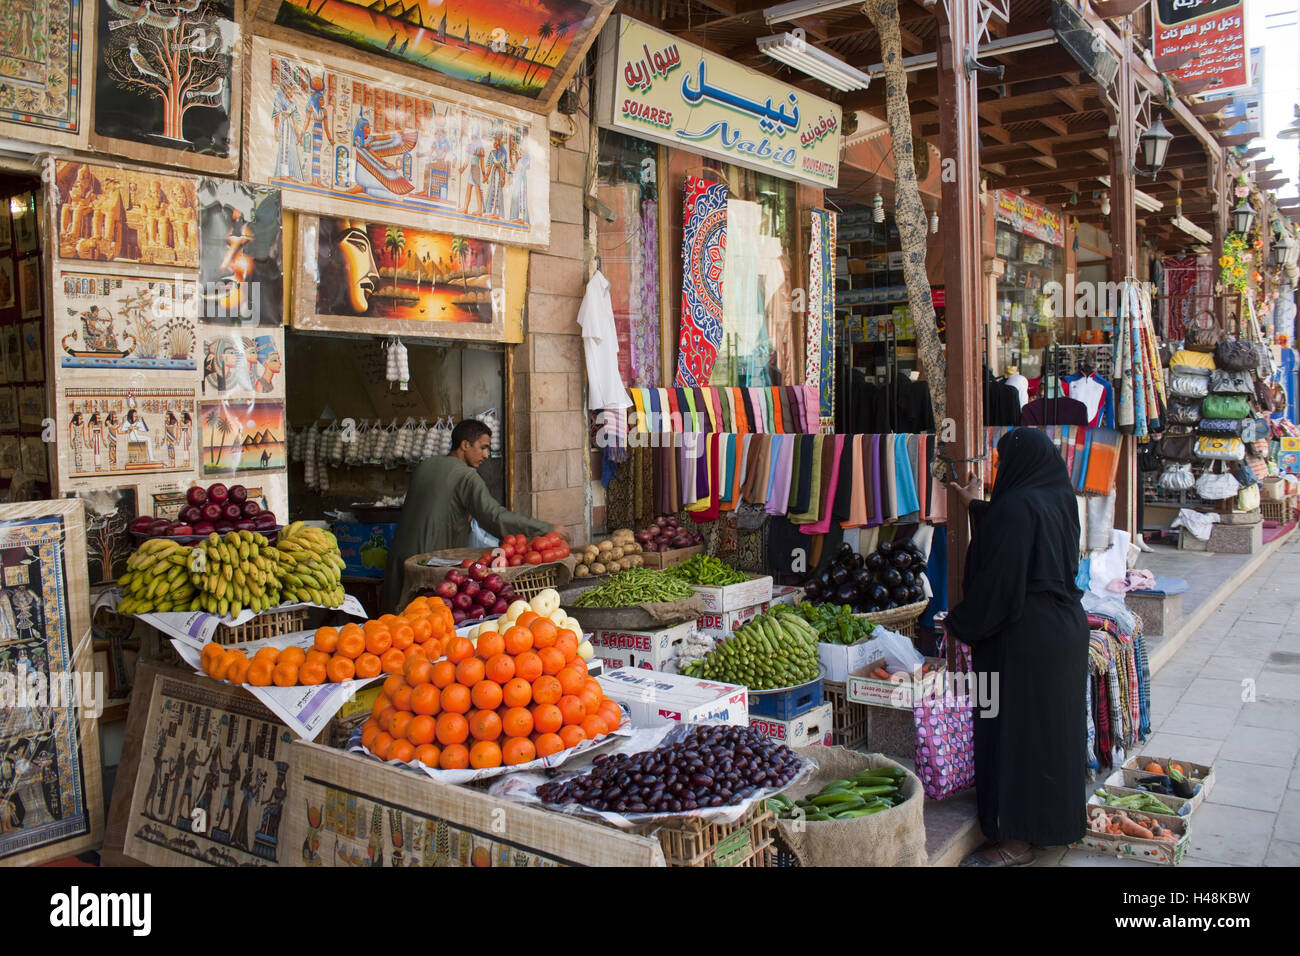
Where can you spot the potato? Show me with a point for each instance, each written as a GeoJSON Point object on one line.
{"type": "Point", "coordinates": [614, 567]}
{"type": "Point", "coordinates": [634, 548]}
{"type": "Point", "coordinates": [581, 571]}
{"type": "Point", "coordinates": [597, 568]}
{"type": "Point", "coordinates": [616, 552]}
{"type": "Point", "coordinates": [606, 546]}
{"type": "Point", "coordinates": [590, 555]}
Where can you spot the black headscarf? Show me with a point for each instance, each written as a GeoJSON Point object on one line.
{"type": "Point", "coordinates": [1029, 460]}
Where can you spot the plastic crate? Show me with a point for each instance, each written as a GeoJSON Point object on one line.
{"type": "Point", "coordinates": [747, 842]}
{"type": "Point", "coordinates": [786, 703]}
{"type": "Point", "coordinates": [1280, 512]}
{"type": "Point", "coordinates": [267, 624]}
{"type": "Point", "coordinates": [849, 721]}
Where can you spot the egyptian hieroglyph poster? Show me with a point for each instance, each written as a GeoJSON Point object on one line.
{"type": "Point", "coordinates": [525, 52]}
{"type": "Point", "coordinates": [240, 253]}
{"type": "Point", "coordinates": [33, 352]}
{"type": "Point", "coordinates": [243, 435]}
{"type": "Point", "coordinates": [109, 213]}
{"type": "Point", "coordinates": [390, 280]}
{"type": "Point", "coordinates": [49, 758]}
{"type": "Point", "coordinates": [211, 788]}
{"type": "Point", "coordinates": [43, 58]}
{"type": "Point", "coordinates": [358, 141]}
{"type": "Point", "coordinates": [243, 362]}
{"type": "Point", "coordinates": [105, 432]}
{"type": "Point", "coordinates": [107, 321]}
{"type": "Point", "coordinates": [167, 82]}
{"type": "Point", "coordinates": [29, 286]}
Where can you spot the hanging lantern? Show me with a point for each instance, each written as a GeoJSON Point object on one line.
{"type": "Point", "coordinates": [1155, 146]}
{"type": "Point", "coordinates": [1105, 204]}
{"type": "Point", "coordinates": [1242, 217]}
{"type": "Point", "coordinates": [878, 208]}
{"type": "Point", "coordinates": [934, 222]}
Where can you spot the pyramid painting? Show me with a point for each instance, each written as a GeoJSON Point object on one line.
{"type": "Point", "coordinates": [242, 435]}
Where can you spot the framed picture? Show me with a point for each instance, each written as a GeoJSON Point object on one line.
{"type": "Point", "coordinates": [11, 345]}
{"type": "Point", "coordinates": [8, 409]}
{"type": "Point", "coordinates": [114, 213]}
{"type": "Point", "coordinates": [523, 54]}
{"type": "Point", "coordinates": [36, 459]}
{"type": "Point", "coordinates": [397, 280]}
{"type": "Point", "coordinates": [29, 286]}
{"type": "Point", "coordinates": [207, 782]}
{"type": "Point", "coordinates": [8, 289]}
{"type": "Point", "coordinates": [167, 83]}
{"type": "Point", "coordinates": [242, 435]}
{"type": "Point", "coordinates": [49, 755]}
{"type": "Point", "coordinates": [33, 352]}
{"type": "Point", "coordinates": [109, 321]}
{"type": "Point", "coordinates": [106, 432]}
{"type": "Point", "coordinates": [352, 140]}
{"type": "Point", "coordinates": [235, 362]}
{"type": "Point", "coordinates": [31, 405]}
{"type": "Point", "coordinates": [43, 96]}
{"type": "Point", "coordinates": [11, 456]}
{"type": "Point", "coordinates": [22, 209]}
{"type": "Point", "coordinates": [117, 654]}
{"type": "Point", "coordinates": [109, 513]}
{"type": "Point", "coordinates": [6, 229]}
{"type": "Point", "coordinates": [240, 253]}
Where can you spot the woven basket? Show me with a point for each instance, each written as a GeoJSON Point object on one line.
{"type": "Point", "coordinates": [901, 619]}
{"type": "Point", "coordinates": [266, 624]}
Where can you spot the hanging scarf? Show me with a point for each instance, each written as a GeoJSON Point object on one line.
{"type": "Point", "coordinates": [704, 244]}
{"type": "Point", "coordinates": [836, 446]}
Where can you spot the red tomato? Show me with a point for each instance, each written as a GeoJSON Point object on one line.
{"type": "Point", "coordinates": [548, 555]}
{"type": "Point", "coordinates": [563, 549]}
{"type": "Point", "coordinates": [532, 557]}
{"type": "Point", "coordinates": [516, 560]}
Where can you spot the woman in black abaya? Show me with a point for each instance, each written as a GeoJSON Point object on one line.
{"type": "Point", "coordinates": [1021, 615]}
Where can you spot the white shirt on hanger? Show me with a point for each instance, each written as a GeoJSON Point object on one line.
{"type": "Point", "coordinates": [1021, 385]}
{"type": "Point", "coordinates": [1089, 391]}
{"type": "Point", "coordinates": [600, 342]}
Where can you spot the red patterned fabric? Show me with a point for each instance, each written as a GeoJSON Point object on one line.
{"type": "Point", "coordinates": [704, 249]}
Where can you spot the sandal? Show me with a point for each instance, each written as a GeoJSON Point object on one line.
{"type": "Point", "coordinates": [1004, 857]}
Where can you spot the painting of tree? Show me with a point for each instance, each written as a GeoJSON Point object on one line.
{"type": "Point", "coordinates": [109, 514]}
{"type": "Point", "coordinates": [395, 242]}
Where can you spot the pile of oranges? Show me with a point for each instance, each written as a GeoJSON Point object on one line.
{"type": "Point", "coordinates": [382, 646]}
{"type": "Point", "coordinates": [513, 698]}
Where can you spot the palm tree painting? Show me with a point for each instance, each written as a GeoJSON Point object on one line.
{"type": "Point", "coordinates": [212, 421]}
{"type": "Point", "coordinates": [395, 242]}
{"type": "Point", "coordinates": [543, 32]}
{"type": "Point", "coordinates": [561, 29]}
{"type": "Point", "coordinates": [460, 253]}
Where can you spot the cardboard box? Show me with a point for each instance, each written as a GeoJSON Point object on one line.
{"type": "Point", "coordinates": [900, 694]}
{"type": "Point", "coordinates": [654, 698]}
{"type": "Point", "coordinates": [725, 623]}
{"type": "Point", "coordinates": [810, 729]}
{"type": "Point", "coordinates": [787, 595]}
{"type": "Point", "coordinates": [364, 547]}
{"type": "Point", "coordinates": [645, 649]}
{"type": "Point", "coordinates": [666, 559]}
{"type": "Point", "coordinates": [361, 703]}
{"type": "Point", "coordinates": [840, 660]}
{"type": "Point", "coordinates": [732, 597]}
{"type": "Point", "coordinates": [1134, 774]}
{"type": "Point", "coordinates": [1152, 851]}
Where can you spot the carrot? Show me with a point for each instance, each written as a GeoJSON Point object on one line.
{"type": "Point", "coordinates": [1132, 829]}
{"type": "Point", "coordinates": [880, 673]}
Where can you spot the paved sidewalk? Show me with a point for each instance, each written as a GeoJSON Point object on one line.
{"type": "Point", "coordinates": [1231, 696]}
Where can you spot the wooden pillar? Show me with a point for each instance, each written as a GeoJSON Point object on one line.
{"type": "Point", "coordinates": [959, 144]}
{"type": "Point", "coordinates": [1123, 252]}
{"type": "Point", "coordinates": [1224, 198]}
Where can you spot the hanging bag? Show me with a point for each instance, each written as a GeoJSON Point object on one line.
{"type": "Point", "coordinates": [1178, 447]}
{"type": "Point", "coordinates": [1183, 411]}
{"type": "Point", "coordinates": [1236, 355]}
{"type": "Point", "coordinates": [1225, 406]}
{"type": "Point", "coordinates": [1177, 478]}
{"type": "Point", "coordinates": [1264, 399]}
{"type": "Point", "coordinates": [1220, 426]}
{"type": "Point", "coordinates": [1254, 429]}
{"type": "Point", "coordinates": [1185, 385]}
{"type": "Point", "coordinates": [1213, 448]}
{"type": "Point", "coordinates": [1223, 382]}
{"type": "Point", "coordinates": [1203, 334]}
{"type": "Point", "coordinates": [945, 735]}
{"type": "Point", "coordinates": [1215, 487]}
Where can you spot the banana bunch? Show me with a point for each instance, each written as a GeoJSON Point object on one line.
{"type": "Point", "coordinates": [310, 564]}
{"type": "Point", "coordinates": [241, 570]}
{"type": "Point", "coordinates": [157, 579]}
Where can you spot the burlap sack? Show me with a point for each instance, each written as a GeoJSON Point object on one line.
{"type": "Point", "coordinates": [894, 837]}
{"type": "Point", "coordinates": [644, 617]}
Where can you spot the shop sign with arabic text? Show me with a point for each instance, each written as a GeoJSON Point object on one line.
{"type": "Point", "coordinates": [1029, 217]}
{"type": "Point", "coordinates": [1215, 29]}
{"type": "Point", "coordinates": [656, 86]}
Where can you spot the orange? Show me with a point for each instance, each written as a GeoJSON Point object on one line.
{"type": "Point", "coordinates": [221, 664]}
{"type": "Point", "coordinates": [433, 649]}
{"type": "Point", "coordinates": [402, 750]}
{"type": "Point", "coordinates": [568, 635]}
{"type": "Point", "coordinates": [210, 652]}
{"type": "Point", "coordinates": [593, 726]}
{"type": "Point", "coordinates": [420, 603]}
{"type": "Point", "coordinates": [543, 632]}
{"type": "Point", "coordinates": [485, 753]}
{"type": "Point", "coordinates": [311, 674]}
{"type": "Point", "coordinates": [400, 722]}
{"type": "Point", "coordinates": [373, 627]}
{"type": "Point", "coordinates": [237, 672]}
{"type": "Point", "coordinates": [327, 640]}
{"type": "Point", "coordinates": [572, 709]}
{"type": "Point", "coordinates": [455, 757]}
{"type": "Point", "coordinates": [259, 673]}
{"type": "Point", "coordinates": [518, 750]}
{"type": "Point", "coordinates": [517, 692]}
{"type": "Point", "coordinates": [451, 729]}
{"type": "Point", "coordinates": [518, 639]}
{"type": "Point", "coordinates": [403, 637]}
{"type": "Point", "coordinates": [528, 666]}
{"type": "Point", "coordinates": [458, 649]}
{"type": "Point", "coordinates": [527, 618]}
{"type": "Point", "coordinates": [418, 670]}
{"type": "Point", "coordinates": [369, 731]}
{"type": "Point", "coordinates": [486, 695]}
{"type": "Point", "coordinates": [422, 627]}
{"type": "Point", "coordinates": [567, 643]}
{"type": "Point", "coordinates": [611, 714]}
{"type": "Point", "coordinates": [285, 675]}
{"type": "Point", "coordinates": [548, 744]}
{"type": "Point", "coordinates": [421, 729]}
{"type": "Point", "coordinates": [547, 690]}
{"type": "Point", "coordinates": [380, 745]}
{"type": "Point", "coordinates": [428, 754]}
{"type": "Point", "coordinates": [382, 703]}
{"type": "Point", "coordinates": [484, 725]}
{"type": "Point", "coordinates": [500, 667]}
{"type": "Point", "coordinates": [292, 655]}
{"type": "Point", "coordinates": [378, 641]}
{"type": "Point", "coordinates": [552, 660]}
{"type": "Point", "coordinates": [318, 657]}
{"type": "Point", "coordinates": [489, 645]}
{"type": "Point", "coordinates": [352, 644]}
{"type": "Point", "coordinates": [271, 654]}
{"type": "Point", "coordinates": [572, 735]}
{"type": "Point", "coordinates": [442, 673]}
{"type": "Point", "coordinates": [470, 671]}
{"type": "Point", "coordinates": [385, 718]}
{"type": "Point", "coordinates": [426, 699]}
{"type": "Point", "coordinates": [455, 698]}
{"type": "Point", "coordinates": [572, 679]}
{"type": "Point", "coordinates": [591, 698]}
{"type": "Point", "coordinates": [517, 722]}
{"type": "Point", "coordinates": [340, 668]}
{"type": "Point", "coordinates": [387, 620]}
{"type": "Point", "coordinates": [547, 718]}
{"type": "Point", "coordinates": [368, 665]}
{"type": "Point", "coordinates": [402, 699]}
{"type": "Point", "coordinates": [415, 650]}
{"type": "Point", "coordinates": [392, 661]}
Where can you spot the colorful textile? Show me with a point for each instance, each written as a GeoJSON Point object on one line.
{"type": "Point", "coordinates": [823, 523]}
{"type": "Point", "coordinates": [824, 222]}
{"type": "Point", "coordinates": [817, 271]}
{"type": "Point", "coordinates": [644, 327]}
{"type": "Point", "coordinates": [704, 246]}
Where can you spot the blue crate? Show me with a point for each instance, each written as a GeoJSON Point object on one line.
{"type": "Point", "coordinates": [786, 703]}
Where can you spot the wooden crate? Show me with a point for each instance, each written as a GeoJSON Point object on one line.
{"type": "Point", "coordinates": [747, 842]}
{"type": "Point", "coordinates": [267, 624]}
{"type": "Point", "coordinates": [849, 720]}
{"type": "Point", "coordinates": [1278, 511]}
